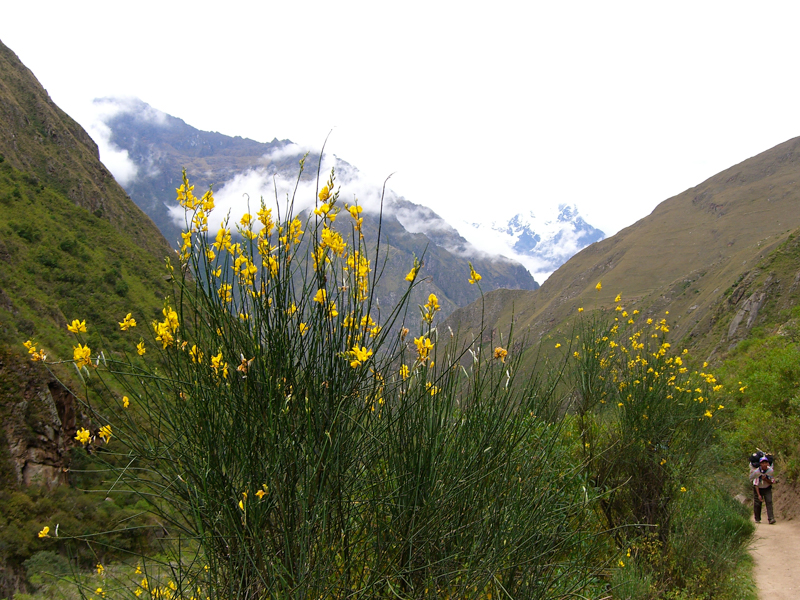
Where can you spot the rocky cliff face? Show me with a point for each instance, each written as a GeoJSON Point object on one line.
{"type": "Point", "coordinates": [39, 421]}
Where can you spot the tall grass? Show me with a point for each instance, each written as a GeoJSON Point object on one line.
{"type": "Point", "coordinates": [295, 440]}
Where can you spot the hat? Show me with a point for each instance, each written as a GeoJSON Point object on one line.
{"type": "Point", "coordinates": [764, 458]}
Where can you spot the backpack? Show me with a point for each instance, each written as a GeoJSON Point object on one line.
{"type": "Point", "coordinates": [755, 458]}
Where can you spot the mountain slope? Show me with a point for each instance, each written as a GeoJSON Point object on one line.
{"type": "Point", "coordinates": [683, 257]}
{"type": "Point", "coordinates": [73, 246]}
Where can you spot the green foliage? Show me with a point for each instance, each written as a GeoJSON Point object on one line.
{"type": "Point", "coordinates": [643, 422]}
{"type": "Point", "coordinates": [642, 419]}
{"type": "Point", "coordinates": [709, 537]}
{"type": "Point", "coordinates": [763, 377]}
{"type": "Point", "coordinates": [25, 513]}
{"type": "Point", "coordinates": [45, 565]}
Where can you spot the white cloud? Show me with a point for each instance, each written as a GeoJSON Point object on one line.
{"type": "Point", "coordinates": [115, 159]}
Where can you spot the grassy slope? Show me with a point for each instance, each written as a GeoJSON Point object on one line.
{"type": "Point", "coordinates": [73, 243]}
{"type": "Point", "coordinates": [683, 257]}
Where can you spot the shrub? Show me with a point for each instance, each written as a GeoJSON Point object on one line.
{"type": "Point", "coordinates": [295, 440]}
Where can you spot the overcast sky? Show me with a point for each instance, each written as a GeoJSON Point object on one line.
{"type": "Point", "coordinates": [480, 110]}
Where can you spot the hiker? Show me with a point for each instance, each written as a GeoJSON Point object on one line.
{"type": "Point", "coordinates": [762, 478]}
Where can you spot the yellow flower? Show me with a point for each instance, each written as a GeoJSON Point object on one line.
{"type": "Point", "coordinates": [404, 371]}
{"type": "Point", "coordinates": [621, 564]}
{"type": "Point", "coordinates": [140, 349]}
{"type": "Point", "coordinates": [45, 532]}
{"type": "Point", "coordinates": [217, 364]}
{"type": "Point", "coordinates": [359, 356]}
{"type": "Point", "coordinates": [82, 356]}
{"type": "Point", "coordinates": [324, 194]}
{"type": "Point", "coordinates": [105, 433]}
{"type": "Point", "coordinates": [683, 489]}
{"type": "Point", "coordinates": [127, 323]}
{"type": "Point", "coordinates": [77, 326]}
{"type": "Point", "coordinates": [580, 310]}
{"type": "Point", "coordinates": [473, 275]}
{"type": "Point", "coordinates": [618, 298]}
{"type": "Point", "coordinates": [321, 296]}
{"type": "Point", "coordinates": [558, 345]}
{"type": "Point", "coordinates": [424, 347]}
{"type": "Point", "coordinates": [83, 436]}
{"type": "Point", "coordinates": [196, 354]}
{"type": "Point", "coordinates": [500, 353]}
{"type": "Point", "coordinates": [224, 292]}
{"type": "Point", "coordinates": [125, 402]}
{"type": "Point", "coordinates": [430, 308]}
{"type": "Point", "coordinates": [223, 239]}
{"type": "Point", "coordinates": [412, 274]}
{"type": "Point", "coordinates": [599, 286]}
{"type": "Point", "coordinates": [100, 569]}
{"type": "Point", "coordinates": [303, 328]}
{"type": "Point", "coordinates": [708, 414]}
{"type": "Point", "coordinates": [35, 356]}
{"type": "Point", "coordinates": [260, 494]}
{"type": "Point", "coordinates": [332, 312]}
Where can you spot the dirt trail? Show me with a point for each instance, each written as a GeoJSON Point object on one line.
{"type": "Point", "coordinates": [776, 552]}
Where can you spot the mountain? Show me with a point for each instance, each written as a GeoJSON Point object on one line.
{"type": "Point", "coordinates": [542, 241]}
{"type": "Point", "coordinates": [697, 255]}
{"type": "Point", "coordinates": [156, 146]}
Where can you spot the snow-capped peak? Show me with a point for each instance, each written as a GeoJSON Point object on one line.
{"type": "Point", "coordinates": [541, 240]}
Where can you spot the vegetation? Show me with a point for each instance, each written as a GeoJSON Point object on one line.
{"type": "Point", "coordinates": [296, 447]}
{"type": "Point", "coordinates": [290, 443]}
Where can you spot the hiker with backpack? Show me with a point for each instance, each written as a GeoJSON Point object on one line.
{"type": "Point", "coordinates": [762, 477]}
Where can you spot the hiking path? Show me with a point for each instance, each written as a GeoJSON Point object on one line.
{"type": "Point", "coordinates": [776, 554]}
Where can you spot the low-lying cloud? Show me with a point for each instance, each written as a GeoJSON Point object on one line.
{"type": "Point", "coordinates": [281, 190]}
{"type": "Point", "coordinates": [116, 159]}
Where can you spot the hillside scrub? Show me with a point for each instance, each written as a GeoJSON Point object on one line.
{"type": "Point", "coordinates": [643, 423]}
{"type": "Point", "coordinates": [295, 440]}
{"type": "Point", "coordinates": [765, 372]}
